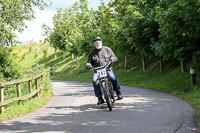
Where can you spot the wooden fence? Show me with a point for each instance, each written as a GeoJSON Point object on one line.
{"type": "Point", "coordinates": [19, 97]}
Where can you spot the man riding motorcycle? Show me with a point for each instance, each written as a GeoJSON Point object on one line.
{"type": "Point", "coordinates": [100, 56]}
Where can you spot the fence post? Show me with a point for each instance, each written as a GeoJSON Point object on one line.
{"type": "Point", "coordinates": [2, 99]}
{"type": "Point", "coordinates": [42, 82]}
{"type": "Point", "coordinates": [36, 84]}
{"type": "Point", "coordinates": [51, 70]}
{"type": "Point", "coordinates": [30, 86]}
{"type": "Point", "coordinates": [19, 92]}
{"type": "Point", "coordinates": [192, 76]}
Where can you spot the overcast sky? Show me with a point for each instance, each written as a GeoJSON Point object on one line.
{"type": "Point", "coordinates": [34, 30]}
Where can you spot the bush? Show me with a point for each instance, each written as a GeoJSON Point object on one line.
{"type": "Point", "coordinates": [8, 69]}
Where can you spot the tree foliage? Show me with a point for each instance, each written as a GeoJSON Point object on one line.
{"type": "Point", "coordinates": [13, 15]}
{"type": "Point", "coordinates": [168, 29]}
{"type": "Point", "coordinates": [179, 29]}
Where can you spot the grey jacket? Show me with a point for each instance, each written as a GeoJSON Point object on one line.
{"type": "Point", "coordinates": [100, 57]}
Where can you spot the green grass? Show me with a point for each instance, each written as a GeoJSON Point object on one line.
{"type": "Point", "coordinates": [15, 109]}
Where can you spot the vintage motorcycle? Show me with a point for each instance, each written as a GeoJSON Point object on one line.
{"type": "Point", "coordinates": [105, 85]}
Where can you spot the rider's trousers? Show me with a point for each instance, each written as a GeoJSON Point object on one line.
{"type": "Point", "coordinates": [111, 77]}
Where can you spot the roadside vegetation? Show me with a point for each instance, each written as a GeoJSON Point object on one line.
{"type": "Point", "coordinates": [27, 67]}
{"type": "Point", "coordinates": [14, 14]}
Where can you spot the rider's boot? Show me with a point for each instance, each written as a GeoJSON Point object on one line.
{"type": "Point", "coordinates": [119, 95]}
{"type": "Point", "coordinates": [100, 100]}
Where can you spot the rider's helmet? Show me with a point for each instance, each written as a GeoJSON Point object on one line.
{"type": "Point", "coordinates": [97, 39]}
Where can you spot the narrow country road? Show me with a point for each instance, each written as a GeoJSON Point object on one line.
{"type": "Point", "coordinates": [73, 109]}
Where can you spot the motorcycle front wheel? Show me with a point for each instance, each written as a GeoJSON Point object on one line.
{"type": "Point", "coordinates": [106, 95]}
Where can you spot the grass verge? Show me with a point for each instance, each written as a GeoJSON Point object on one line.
{"type": "Point", "coordinates": [14, 110]}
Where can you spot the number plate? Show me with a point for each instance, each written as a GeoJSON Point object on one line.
{"type": "Point", "coordinates": [102, 73]}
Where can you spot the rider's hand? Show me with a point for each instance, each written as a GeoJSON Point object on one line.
{"type": "Point", "coordinates": [113, 59]}
{"type": "Point", "coordinates": [88, 66]}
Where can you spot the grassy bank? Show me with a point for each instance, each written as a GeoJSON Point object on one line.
{"type": "Point", "coordinates": [28, 67]}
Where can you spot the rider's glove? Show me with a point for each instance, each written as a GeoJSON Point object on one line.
{"type": "Point", "coordinates": [113, 59]}
{"type": "Point", "coordinates": [88, 66]}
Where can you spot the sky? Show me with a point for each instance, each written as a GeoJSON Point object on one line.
{"type": "Point", "coordinates": [34, 30]}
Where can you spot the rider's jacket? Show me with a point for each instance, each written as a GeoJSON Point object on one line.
{"type": "Point", "coordinates": [100, 57]}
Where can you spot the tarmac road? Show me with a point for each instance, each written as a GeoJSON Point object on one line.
{"type": "Point", "coordinates": [73, 109]}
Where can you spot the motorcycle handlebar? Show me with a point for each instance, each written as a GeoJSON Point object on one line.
{"type": "Point", "coordinates": [96, 68]}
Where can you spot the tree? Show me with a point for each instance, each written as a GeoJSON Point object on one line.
{"type": "Point", "coordinates": [117, 30]}
{"type": "Point", "coordinates": [138, 26]}
{"type": "Point", "coordinates": [72, 28]}
{"type": "Point", "coordinates": [87, 24]}
{"type": "Point", "coordinates": [13, 14]}
{"type": "Point", "coordinates": [179, 30]}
